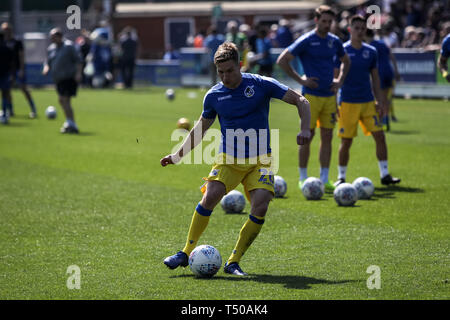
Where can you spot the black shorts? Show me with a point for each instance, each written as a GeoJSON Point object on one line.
{"type": "Point", "coordinates": [67, 88]}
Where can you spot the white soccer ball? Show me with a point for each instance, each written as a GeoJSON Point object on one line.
{"type": "Point", "coordinates": [233, 202]}
{"type": "Point", "coordinates": [279, 186]}
{"type": "Point", "coordinates": [313, 188]}
{"type": "Point", "coordinates": [170, 94]}
{"type": "Point", "coordinates": [345, 194]}
{"type": "Point", "coordinates": [98, 81]}
{"type": "Point", "coordinates": [364, 186]}
{"type": "Point", "coordinates": [50, 112]}
{"type": "Point", "coordinates": [205, 261]}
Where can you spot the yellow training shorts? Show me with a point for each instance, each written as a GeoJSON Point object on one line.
{"type": "Point", "coordinates": [352, 113]}
{"type": "Point", "coordinates": [323, 111]}
{"type": "Point", "coordinates": [256, 173]}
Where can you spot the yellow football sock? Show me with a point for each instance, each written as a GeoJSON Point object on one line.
{"type": "Point", "coordinates": [249, 232]}
{"type": "Point", "coordinates": [199, 222]}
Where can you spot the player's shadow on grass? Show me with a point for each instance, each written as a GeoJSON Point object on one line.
{"type": "Point", "coordinates": [292, 282]}
{"type": "Point", "coordinates": [289, 282]}
{"type": "Point", "coordinates": [398, 188]}
{"type": "Point", "coordinates": [389, 192]}
{"type": "Point", "coordinates": [86, 134]}
{"type": "Point", "coordinates": [16, 124]}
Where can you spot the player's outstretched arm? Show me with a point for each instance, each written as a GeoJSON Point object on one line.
{"type": "Point", "coordinates": [191, 141]}
{"type": "Point", "coordinates": [304, 112]}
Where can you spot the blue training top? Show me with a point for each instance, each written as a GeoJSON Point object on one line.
{"type": "Point", "coordinates": [445, 50]}
{"type": "Point", "coordinates": [242, 109]}
{"type": "Point", "coordinates": [357, 87]}
{"type": "Point", "coordinates": [385, 69]}
{"type": "Point", "coordinates": [316, 55]}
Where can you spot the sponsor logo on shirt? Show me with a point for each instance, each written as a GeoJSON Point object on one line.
{"type": "Point", "coordinates": [224, 97]}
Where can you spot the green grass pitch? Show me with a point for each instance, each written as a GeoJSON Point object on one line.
{"type": "Point", "coordinates": [101, 201]}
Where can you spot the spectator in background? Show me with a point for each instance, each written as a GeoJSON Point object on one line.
{"type": "Point", "coordinates": [18, 71]}
{"type": "Point", "coordinates": [6, 57]}
{"type": "Point", "coordinates": [389, 36]}
{"type": "Point", "coordinates": [247, 31]}
{"type": "Point", "coordinates": [410, 37]}
{"type": "Point", "coordinates": [262, 57]}
{"type": "Point", "coordinates": [64, 63]}
{"type": "Point", "coordinates": [170, 54]}
{"type": "Point", "coordinates": [129, 45]}
{"type": "Point", "coordinates": [198, 40]}
{"type": "Point", "coordinates": [212, 42]}
{"type": "Point", "coordinates": [83, 43]}
{"type": "Point", "coordinates": [284, 35]}
{"type": "Point", "coordinates": [234, 35]}
{"type": "Point", "coordinates": [272, 35]}
{"type": "Point", "coordinates": [101, 57]}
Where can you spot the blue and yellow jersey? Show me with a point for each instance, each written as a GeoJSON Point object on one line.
{"type": "Point", "coordinates": [317, 57]}
{"type": "Point", "coordinates": [244, 114]}
{"type": "Point", "coordinates": [357, 86]}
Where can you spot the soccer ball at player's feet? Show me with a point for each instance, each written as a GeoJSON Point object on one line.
{"type": "Point", "coordinates": [345, 194]}
{"type": "Point", "coordinates": [205, 261]}
{"type": "Point", "coordinates": [280, 187]}
{"type": "Point", "coordinates": [313, 188]}
{"type": "Point", "coordinates": [233, 202]}
{"type": "Point", "coordinates": [364, 186]}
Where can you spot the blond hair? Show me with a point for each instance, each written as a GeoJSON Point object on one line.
{"type": "Point", "coordinates": [226, 51]}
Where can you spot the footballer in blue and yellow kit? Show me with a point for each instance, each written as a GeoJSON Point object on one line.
{"type": "Point", "coordinates": [241, 102]}
{"type": "Point", "coordinates": [240, 110]}
{"type": "Point", "coordinates": [318, 50]}
{"type": "Point", "coordinates": [357, 103]}
{"type": "Point", "coordinates": [317, 55]}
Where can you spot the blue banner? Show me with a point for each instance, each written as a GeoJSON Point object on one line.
{"type": "Point", "coordinates": [419, 67]}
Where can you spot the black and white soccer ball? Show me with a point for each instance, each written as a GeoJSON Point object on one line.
{"type": "Point", "coordinates": [313, 188]}
{"type": "Point", "coordinates": [233, 202]}
{"type": "Point", "coordinates": [364, 186]}
{"type": "Point", "coordinates": [205, 261]}
{"type": "Point", "coordinates": [345, 194]}
{"type": "Point", "coordinates": [279, 186]}
{"type": "Point", "coordinates": [50, 112]}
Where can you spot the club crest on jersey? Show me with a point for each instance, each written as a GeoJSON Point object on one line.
{"type": "Point", "coordinates": [365, 54]}
{"type": "Point", "coordinates": [330, 43]}
{"type": "Point", "coordinates": [249, 92]}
